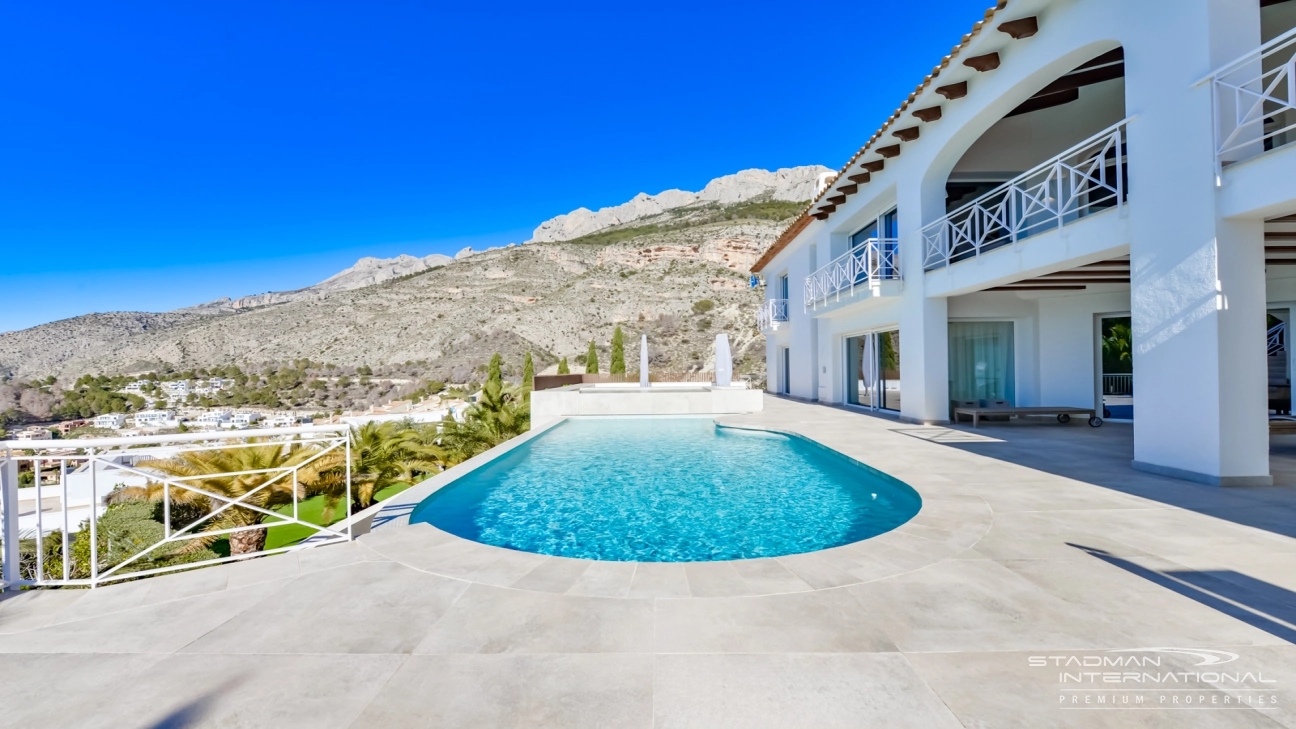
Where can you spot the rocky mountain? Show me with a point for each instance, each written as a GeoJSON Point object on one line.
{"type": "Point", "coordinates": [674, 272]}
{"type": "Point", "coordinates": [366, 272]}
{"type": "Point", "coordinates": [789, 184]}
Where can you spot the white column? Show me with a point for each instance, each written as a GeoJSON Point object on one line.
{"type": "Point", "coordinates": [924, 322]}
{"type": "Point", "coordinates": [1198, 286]}
{"type": "Point", "coordinates": [803, 340]}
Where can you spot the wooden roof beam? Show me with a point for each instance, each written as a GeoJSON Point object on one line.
{"type": "Point", "coordinates": [1020, 28]}
{"type": "Point", "coordinates": [874, 166]}
{"type": "Point", "coordinates": [906, 135]}
{"type": "Point", "coordinates": [837, 199]}
{"type": "Point", "coordinates": [848, 189]}
{"type": "Point", "coordinates": [930, 114]}
{"type": "Point", "coordinates": [889, 152]}
{"type": "Point", "coordinates": [981, 64]}
{"type": "Point", "coordinates": [953, 91]}
{"type": "Point", "coordinates": [860, 178]}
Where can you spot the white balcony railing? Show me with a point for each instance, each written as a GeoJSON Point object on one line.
{"type": "Point", "coordinates": [1277, 338]}
{"type": "Point", "coordinates": [1088, 178]}
{"type": "Point", "coordinates": [204, 486]}
{"type": "Point", "coordinates": [771, 314]}
{"type": "Point", "coordinates": [874, 260]}
{"type": "Point", "coordinates": [1255, 101]}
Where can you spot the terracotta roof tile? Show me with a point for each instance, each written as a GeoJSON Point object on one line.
{"type": "Point", "coordinates": [804, 218]}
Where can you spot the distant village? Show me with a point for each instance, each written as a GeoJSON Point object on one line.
{"type": "Point", "coordinates": [170, 408]}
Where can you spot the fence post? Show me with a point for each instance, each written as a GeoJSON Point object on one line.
{"type": "Point", "coordinates": [9, 490]}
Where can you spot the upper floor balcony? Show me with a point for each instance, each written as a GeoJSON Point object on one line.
{"type": "Point", "coordinates": [860, 271]}
{"type": "Point", "coordinates": [772, 313]}
{"type": "Point", "coordinates": [1086, 179]}
{"type": "Point", "coordinates": [1255, 101]}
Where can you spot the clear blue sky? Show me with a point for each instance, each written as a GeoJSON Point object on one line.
{"type": "Point", "coordinates": [158, 155]}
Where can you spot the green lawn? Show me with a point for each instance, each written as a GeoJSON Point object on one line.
{"type": "Point", "coordinates": [311, 510]}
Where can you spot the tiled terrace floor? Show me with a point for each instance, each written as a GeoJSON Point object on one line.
{"type": "Point", "coordinates": [1034, 540]}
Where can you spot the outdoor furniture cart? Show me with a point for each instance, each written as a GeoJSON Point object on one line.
{"type": "Point", "coordinates": [1063, 413]}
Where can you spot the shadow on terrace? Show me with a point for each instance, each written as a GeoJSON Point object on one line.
{"type": "Point", "coordinates": [1102, 456]}
{"type": "Point", "coordinates": [1254, 602]}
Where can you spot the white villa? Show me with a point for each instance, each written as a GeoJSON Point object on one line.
{"type": "Point", "coordinates": [155, 419]}
{"type": "Point", "coordinates": [243, 420]}
{"type": "Point", "coordinates": [1088, 203]}
{"type": "Point", "coordinates": [215, 419]}
{"type": "Point", "coordinates": [112, 421]}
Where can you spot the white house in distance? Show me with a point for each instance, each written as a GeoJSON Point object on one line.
{"type": "Point", "coordinates": [112, 421]}
{"type": "Point", "coordinates": [244, 420]}
{"type": "Point", "coordinates": [215, 419]}
{"type": "Point", "coordinates": [1074, 173]}
{"type": "Point", "coordinates": [155, 419]}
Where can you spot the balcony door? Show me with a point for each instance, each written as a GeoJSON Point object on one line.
{"type": "Point", "coordinates": [1116, 386]}
{"type": "Point", "coordinates": [873, 370]}
{"type": "Point", "coordinates": [981, 367]}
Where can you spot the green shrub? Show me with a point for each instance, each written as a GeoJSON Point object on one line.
{"type": "Point", "coordinates": [703, 306]}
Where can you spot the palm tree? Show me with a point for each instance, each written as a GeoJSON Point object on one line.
{"type": "Point", "coordinates": [383, 454]}
{"type": "Point", "coordinates": [209, 471]}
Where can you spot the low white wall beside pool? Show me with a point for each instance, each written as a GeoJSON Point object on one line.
{"type": "Point", "coordinates": [659, 399]}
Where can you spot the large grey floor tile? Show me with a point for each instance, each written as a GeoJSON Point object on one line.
{"type": "Point", "coordinates": [824, 621]}
{"type": "Point", "coordinates": [162, 628]}
{"type": "Point", "coordinates": [247, 692]}
{"type": "Point", "coordinates": [605, 579]}
{"type": "Point", "coordinates": [816, 691]}
{"type": "Point", "coordinates": [659, 579]}
{"type": "Point", "coordinates": [20, 611]}
{"type": "Point", "coordinates": [61, 689]}
{"type": "Point", "coordinates": [976, 605]}
{"type": "Point", "coordinates": [498, 620]}
{"type": "Point", "coordinates": [481, 691]}
{"type": "Point", "coordinates": [370, 607]}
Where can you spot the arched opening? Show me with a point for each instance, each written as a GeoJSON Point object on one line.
{"type": "Point", "coordinates": [1064, 121]}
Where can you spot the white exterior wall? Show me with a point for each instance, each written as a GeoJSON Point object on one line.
{"type": "Point", "coordinates": [1198, 293]}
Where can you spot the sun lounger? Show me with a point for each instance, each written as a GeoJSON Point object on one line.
{"type": "Point", "coordinates": [1063, 413]}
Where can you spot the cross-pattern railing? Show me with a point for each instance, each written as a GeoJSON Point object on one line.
{"type": "Point", "coordinates": [771, 313]}
{"type": "Point", "coordinates": [90, 472]}
{"type": "Point", "coordinates": [1277, 338]}
{"type": "Point", "coordinates": [1255, 101]}
{"type": "Point", "coordinates": [1088, 178]}
{"type": "Point", "coordinates": [874, 260]}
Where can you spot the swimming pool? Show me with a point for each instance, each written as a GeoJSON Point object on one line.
{"type": "Point", "coordinates": [668, 490]}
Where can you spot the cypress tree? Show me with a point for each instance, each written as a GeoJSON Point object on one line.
{"type": "Point", "coordinates": [563, 369]}
{"type": "Point", "coordinates": [617, 367]}
{"type": "Point", "coordinates": [493, 374]}
{"type": "Point", "coordinates": [591, 360]}
{"type": "Point", "coordinates": [528, 372]}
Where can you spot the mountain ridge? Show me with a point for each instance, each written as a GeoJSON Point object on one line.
{"type": "Point", "coordinates": [550, 297]}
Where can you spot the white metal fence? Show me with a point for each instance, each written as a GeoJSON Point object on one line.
{"type": "Point", "coordinates": [771, 314]}
{"type": "Point", "coordinates": [89, 471]}
{"type": "Point", "coordinates": [1255, 101]}
{"type": "Point", "coordinates": [874, 260]}
{"type": "Point", "coordinates": [1086, 179]}
{"type": "Point", "coordinates": [1118, 384]}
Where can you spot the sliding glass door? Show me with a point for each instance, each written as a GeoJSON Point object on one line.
{"type": "Point", "coordinates": [981, 362]}
{"type": "Point", "coordinates": [1117, 376]}
{"type": "Point", "coordinates": [873, 370]}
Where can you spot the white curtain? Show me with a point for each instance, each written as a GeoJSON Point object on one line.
{"type": "Point", "coordinates": [981, 361]}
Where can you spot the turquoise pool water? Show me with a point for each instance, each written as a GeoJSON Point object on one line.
{"type": "Point", "coordinates": [668, 490]}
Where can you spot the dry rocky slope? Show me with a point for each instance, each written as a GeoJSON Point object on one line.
{"type": "Point", "coordinates": [645, 272]}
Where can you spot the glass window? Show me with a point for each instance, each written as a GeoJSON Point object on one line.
{"type": "Point", "coordinates": [869, 231]}
{"type": "Point", "coordinates": [981, 362]}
